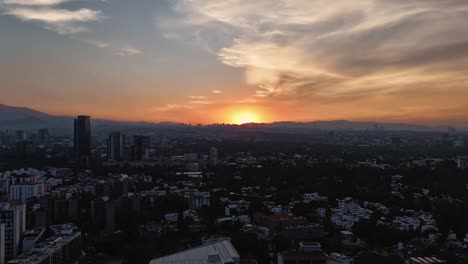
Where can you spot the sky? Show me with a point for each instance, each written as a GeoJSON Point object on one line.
{"type": "Point", "coordinates": [235, 61]}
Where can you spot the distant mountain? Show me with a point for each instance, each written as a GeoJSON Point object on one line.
{"type": "Point", "coordinates": [352, 125]}
{"type": "Point", "coordinates": [12, 117]}
{"type": "Point", "coordinates": [12, 113]}
{"type": "Point", "coordinates": [345, 125]}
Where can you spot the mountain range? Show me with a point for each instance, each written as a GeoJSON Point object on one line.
{"type": "Point", "coordinates": [13, 117]}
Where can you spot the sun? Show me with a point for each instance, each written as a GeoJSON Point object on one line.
{"type": "Point", "coordinates": [245, 117]}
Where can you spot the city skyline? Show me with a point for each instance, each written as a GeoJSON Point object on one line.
{"type": "Point", "coordinates": [228, 61]}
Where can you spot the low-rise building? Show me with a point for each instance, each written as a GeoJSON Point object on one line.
{"type": "Point", "coordinates": [308, 253]}
{"type": "Point", "coordinates": [219, 252]}
{"type": "Point", "coordinates": [63, 247]}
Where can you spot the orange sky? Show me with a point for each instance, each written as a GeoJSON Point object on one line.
{"type": "Point", "coordinates": [208, 61]}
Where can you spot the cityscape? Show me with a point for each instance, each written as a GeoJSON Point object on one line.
{"type": "Point", "coordinates": [233, 132]}
{"type": "Point", "coordinates": [233, 194]}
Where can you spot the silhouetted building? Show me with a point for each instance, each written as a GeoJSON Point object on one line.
{"type": "Point", "coordinates": [24, 149]}
{"type": "Point", "coordinates": [2, 242]}
{"type": "Point", "coordinates": [82, 137]}
{"type": "Point", "coordinates": [115, 146]}
{"type": "Point", "coordinates": [110, 218]}
{"type": "Point", "coordinates": [20, 135]}
{"type": "Point", "coordinates": [140, 148]}
{"type": "Point", "coordinates": [44, 137]}
{"type": "Point", "coordinates": [462, 163]}
{"type": "Point", "coordinates": [396, 141]}
{"type": "Point", "coordinates": [60, 211]}
{"type": "Point", "coordinates": [213, 156]}
{"type": "Point", "coordinates": [6, 139]}
{"type": "Point", "coordinates": [34, 139]}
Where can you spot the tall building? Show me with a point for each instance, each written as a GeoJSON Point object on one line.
{"type": "Point", "coordinates": [213, 156]}
{"type": "Point", "coordinates": [44, 137]}
{"type": "Point", "coordinates": [20, 135]}
{"type": "Point", "coordinates": [6, 138]}
{"type": "Point", "coordinates": [140, 148]}
{"type": "Point", "coordinates": [13, 217]}
{"type": "Point", "coordinates": [24, 149]}
{"type": "Point", "coordinates": [82, 137]}
{"type": "Point", "coordinates": [115, 146]}
{"type": "Point", "coordinates": [2, 242]}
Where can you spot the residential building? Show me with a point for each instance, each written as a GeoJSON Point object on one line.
{"type": "Point", "coordinates": [213, 156]}
{"type": "Point", "coordinates": [219, 252]}
{"type": "Point", "coordinates": [462, 163]}
{"type": "Point", "coordinates": [308, 253]}
{"type": "Point", "coordinates": [198, 200]}
{"type": "Point", "coordinates": [63, 247]}
{"type": "Point", "coordinates": [13, 218]}
{"type": "Point", "coordinates": [2, 243]}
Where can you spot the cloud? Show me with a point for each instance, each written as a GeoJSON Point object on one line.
{"type": "Point", "coordinates": [62, 21]}
{"type": "Point", "coordinates": [129, 51]}
{"type": "Point", "coordinates": [200, 102]}
{"type": "Point", "coordinates": [216, 91]}
{"type": "Point", "coordinates": [303, 49]}
{"type": "Point", "coordinates": [171, 107]}
{"type": "Point", "coordinates": [54, 16]}
{"type": "Point", "coordinates": [34, 2]}
{"type": "Point", "coordinates": [197, 97]}
{"type": "Point", "coordinates": [98, 43]}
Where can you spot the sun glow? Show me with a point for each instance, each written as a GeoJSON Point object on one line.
{"type": "Point", "coordinates": [245, 117]}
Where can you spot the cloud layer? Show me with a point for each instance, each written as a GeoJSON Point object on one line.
{"type": "Point", "coordinates": [52, 17]}
{"type": "Point", "coordinates": [334, 50]}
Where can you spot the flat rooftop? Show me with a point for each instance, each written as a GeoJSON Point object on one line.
{"type": "Point", "coordinates": [216, 253]}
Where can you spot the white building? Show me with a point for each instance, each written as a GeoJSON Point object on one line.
{"type": "Point", "coordinates": [13, 217]}
{"type": "Point", "coordinates": [22, 192]}
{"type": "Point", "coordinates": [220, 252]}
{"type": "Point", "coordinates": [348, 213]}
{"type": "Point", "coordinates": [198, 200]}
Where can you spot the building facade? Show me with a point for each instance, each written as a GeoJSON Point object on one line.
{"type": "Point", "coordinates": [13, 218]}
{"type": "Point", "coordinates": [82, 137]}
{"type": "Point", "coordinates": [115, 146]}
{"type": "Point", "coordinates": [140, 148]}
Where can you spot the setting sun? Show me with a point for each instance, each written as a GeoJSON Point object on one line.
{"type": "Point", "coordinates": [245, 117]}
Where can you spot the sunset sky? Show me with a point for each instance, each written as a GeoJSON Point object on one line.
{"type": "Point", "coordinates": [235, 61]}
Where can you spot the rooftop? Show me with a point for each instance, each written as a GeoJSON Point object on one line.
{"type": "Point", "coordinates": [219, 252]}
